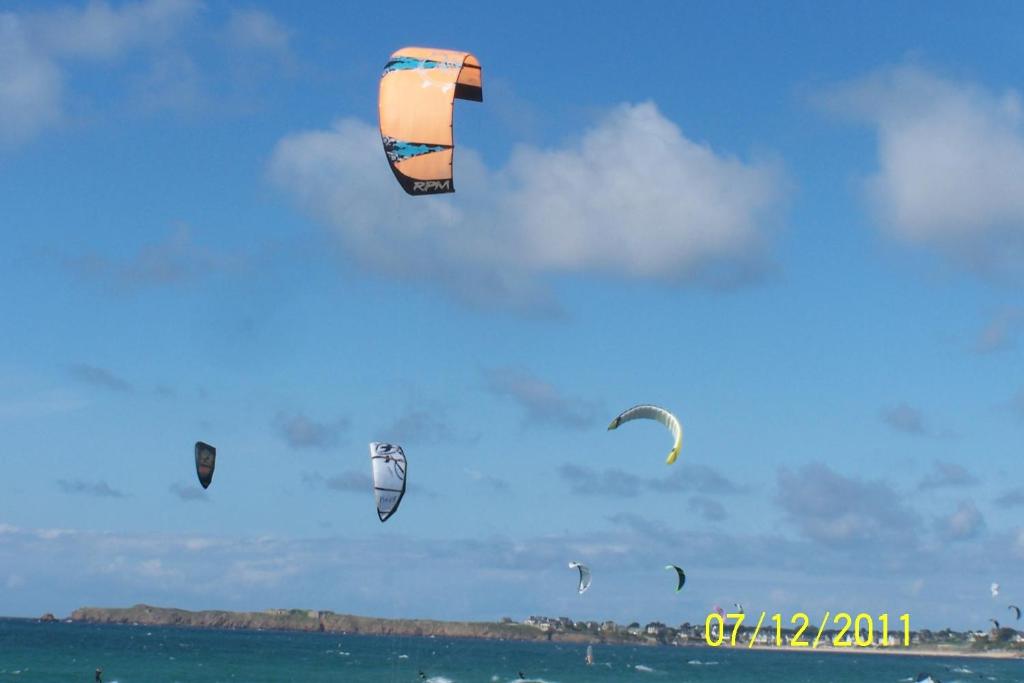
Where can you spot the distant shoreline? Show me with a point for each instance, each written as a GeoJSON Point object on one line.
{"type": "Point", "coordinates": [314, 621]}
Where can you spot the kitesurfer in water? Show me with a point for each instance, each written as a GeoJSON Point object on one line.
{"type": "Point", "coordinates": [423, 676]}
{"type": "Point", "coordinates": [99, 675]}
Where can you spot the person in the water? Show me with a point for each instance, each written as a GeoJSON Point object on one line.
{"type": "Point", "coordinates": [99, 675]}
{"type": "Point", "coordinates": [521, 676]}
{"type": "Point", "coordinates": [423, 676]}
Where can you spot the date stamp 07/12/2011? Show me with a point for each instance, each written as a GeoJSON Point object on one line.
{"type": "Point", "coordinates": [841, 629]}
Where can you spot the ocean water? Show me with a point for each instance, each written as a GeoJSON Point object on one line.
{"type": "Point", "coordinates": [57, 652]}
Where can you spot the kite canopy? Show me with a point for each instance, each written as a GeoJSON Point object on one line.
{"type": "Point", "coordinates": [584, 576]}
{"type": "Point", "coordinates": [1015, 611]}
{"type": "Point", "coordinates": [680, 575]}
{"type": "Point", "coordinates": [995, 590]}
{"type": "Point", "coordinates": [388, 461]}
{"type": "Point", "coordinates": [416, 106]}
{"type": "Point", "coordinates": [649, 412]}
{"type": "Point", "coordinates": [206, 460]}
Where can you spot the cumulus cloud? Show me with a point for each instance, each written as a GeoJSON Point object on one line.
{"type": "Point", "coordinates": [30, 84]}
{"type": "Point", "coordinates": [831, 508]}
{"type": "Point", "coordinates": [98, 377]}
{"type": "Point", "coordinates": [947, 475]}
{"type": "Point", "coordinates": [145, 49]}
{"type": "Point", "coordinates": [906, 419]}
{"type": "Point", "coordinates": [99, 489]}
{"type": "Point", "coordinates": [485, 576]}
{"type": "Point", "coordinates": [541, 401]}
{"type": "Point", "coordinates": [302, 432]}
{"type": "Point", "coordinates": [965, 523]}
{"type": "Point", "coordinates": [99, 31]}
{"type": "Point", "coordinates": [36, 47]}
{"type": "Point", "coordinates": [951, 164]}
{"type": "Point", "coordinates": [632, 198]}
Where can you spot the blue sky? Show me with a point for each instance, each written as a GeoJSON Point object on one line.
{"type": "Point", "coordinates": [800, 228]}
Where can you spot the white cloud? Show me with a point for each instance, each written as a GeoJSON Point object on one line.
{"type": "Point", "coordinates": [541, 401]}
{"type": "Point", "coordinates": [300, 431]}
{"type": "Point", "coordinates": [965, 523]}
{"type": "Point", "coordinates": [33, 47]}
{"type": "Point", "coordinates": [30, 84]}
{"type": "Point", "coordinates": [256, 30]}
{"type": "Point", "coordinates": [833, 509]}
{"type": "Point", "coordinates": [951, 164]}
{"type": "Point", "coordinates": [101, 32]}
{"type": "Point", "coordinates": [632, 198]}
{"type": "Point", "coordinates": [262, 572]}
{"type": "Point", "coordinates": [477, 578]}
{"type": "Point", "coordinates": [38, 50]}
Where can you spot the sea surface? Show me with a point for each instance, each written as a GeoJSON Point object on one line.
{"type": "Point", "coordinates": [57, 652]}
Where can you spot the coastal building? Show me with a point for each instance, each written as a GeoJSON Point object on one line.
{"type": "Point", "coordinates": [654, 628]}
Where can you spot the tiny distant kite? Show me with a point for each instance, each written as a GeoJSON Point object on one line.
{"type": "Point", "coordinates": [416, 104]}
{"type": "Point", "coordinates": [648, 412]}
{"type": "Point", "coordinates": [389, 466]}
{"type": "Point", "coordinates": [584, 576]}
{"type": "Point", "coordinates": [1015, 611]}
{"type": "Point", "coordinates": [206, 460]}
{"type": "Point", "coordinates": [995, 590]}
{"type": "Point", "coordinates": [680, 576]}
